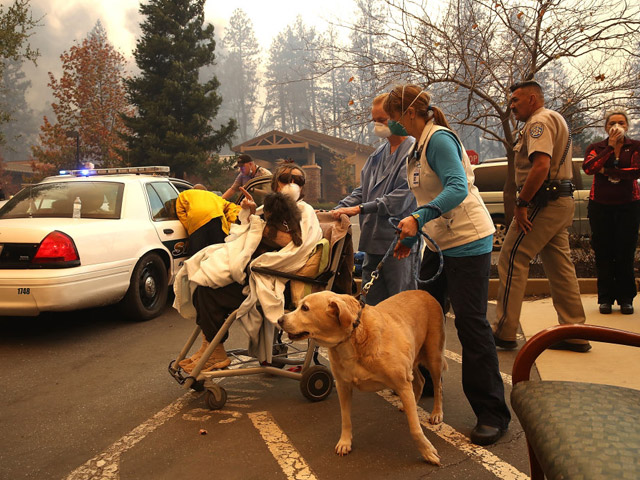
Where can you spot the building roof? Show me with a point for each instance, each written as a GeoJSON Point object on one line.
{"type": "Point", "coordinates": [339, 144]}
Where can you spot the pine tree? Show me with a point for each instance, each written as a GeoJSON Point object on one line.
{"type": "Point", "coordinates": [291, 103]}
{"type": "Point", "coordinates": [238, 74]}
{"type": "Point", "coordinates": [90, 98]}
{"type": "Point", "coordinates": [20, 132]}
{"type": "Point", "coordinates": [174, 110]}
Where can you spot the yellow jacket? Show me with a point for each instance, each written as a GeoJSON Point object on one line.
{"type": "Point", "coordinates": [197, 207]}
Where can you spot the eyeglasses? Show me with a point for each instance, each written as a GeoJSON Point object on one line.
{"type": "Point", "coordinates": [288, 178]}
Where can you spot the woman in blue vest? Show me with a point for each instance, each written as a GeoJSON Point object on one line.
{"type": "Point", "coordinates": [440, 175]}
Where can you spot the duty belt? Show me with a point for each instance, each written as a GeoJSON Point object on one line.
{"type": "Point", "coordinates": [557, 188]}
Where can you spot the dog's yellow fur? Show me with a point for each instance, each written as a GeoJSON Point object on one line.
{"type": "Point", "coordinates": [383, 351]}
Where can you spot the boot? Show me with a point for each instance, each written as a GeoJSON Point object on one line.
{"type": "Point", "coordinates": [216, 361]}
{"type": "Point", "coordinates": [193, 359]}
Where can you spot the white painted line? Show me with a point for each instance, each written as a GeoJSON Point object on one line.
{"type": "Point", "coordinates": [289, 459]}
{"type": "Point", "coordinates": [506, 378]}
{"type": "Point", "coordinates": [107, 464]}
{"type": "Point", "coordinates": [488, 460]}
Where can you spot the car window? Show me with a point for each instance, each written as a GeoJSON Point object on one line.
{"type": "Point", "coordinates": [181, 186]}
{"type": "Point", "coordinates": [162, 200]}
{"type": "Point", "coordinates": [490, 178]}
{"type": "Point", "coordinates": [55, 200]}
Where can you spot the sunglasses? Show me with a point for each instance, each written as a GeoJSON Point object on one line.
{"type": "Point", "coordinates": [288, 178]}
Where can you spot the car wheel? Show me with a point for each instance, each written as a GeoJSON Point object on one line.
{"type": "Point", "coordinates": [147, 294]}
{"type": "Point", "coordinates": [501, 231]}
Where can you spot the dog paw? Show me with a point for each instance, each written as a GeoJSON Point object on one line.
{"type": "Point", "coordinates": [343, 448]}
{"type": "Point", "coordinates": [432, 456]}
{"type": "Point", "coordinates": [436, 418]}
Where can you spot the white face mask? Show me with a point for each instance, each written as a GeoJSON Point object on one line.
{"type": "Point", "coordinates": [381, 130]}
{"type": "Point", "coordinates": [291, 190]}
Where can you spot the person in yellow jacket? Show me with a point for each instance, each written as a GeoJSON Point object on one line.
{"type": "Point", "coordinates": [206, 216]}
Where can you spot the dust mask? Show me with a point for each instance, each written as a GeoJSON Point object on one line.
{"type": "Point", "coordinates": [291, 190]}
{"type": "Point", "coordinates": [381, 130]}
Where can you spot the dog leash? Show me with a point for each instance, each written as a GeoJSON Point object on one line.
{"type": "Point", "coordinates": [376, 273]}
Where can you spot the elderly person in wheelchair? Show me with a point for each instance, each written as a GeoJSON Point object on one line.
{"type": "Point", "coordinates": [217, 280]}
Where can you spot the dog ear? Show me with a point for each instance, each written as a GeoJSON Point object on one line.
{"type": "Point", "coordinates": [341, 312]}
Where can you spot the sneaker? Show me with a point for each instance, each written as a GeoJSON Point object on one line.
{"type": "Point", "coordinates": [626, 308]}
{"type": "Point", "coordinates": [506, 344]}
{"type": "Point", "coordinates": [574, 347]}
{"type": "Point", "coordinates": [605, 308]}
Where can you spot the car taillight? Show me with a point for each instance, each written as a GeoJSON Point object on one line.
{"type": "Point", "coordinates": [58, 248]}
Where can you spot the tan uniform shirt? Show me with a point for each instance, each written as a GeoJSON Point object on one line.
{"type": "Point", "coordinates": [545, 132]}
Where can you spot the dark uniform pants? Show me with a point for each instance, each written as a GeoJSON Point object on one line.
{"type": "Point", "coordinates": [614, 236]}
{"type": "Point", "coordinates": [548, 237]}
{"type": "Point", "coordinates": [466, 282]}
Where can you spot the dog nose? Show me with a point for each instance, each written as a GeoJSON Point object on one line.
{"type": "Point", "coordinates": [281, 320]}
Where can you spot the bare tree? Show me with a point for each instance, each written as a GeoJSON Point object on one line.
{"type": "Point", "coordinates": [471, 51]}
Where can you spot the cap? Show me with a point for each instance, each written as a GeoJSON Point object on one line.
{"type": "Point", "coordinates": [244, 158]}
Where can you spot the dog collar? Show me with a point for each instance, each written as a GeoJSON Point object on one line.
{"type": "Point", "coordinates": [357, 320]}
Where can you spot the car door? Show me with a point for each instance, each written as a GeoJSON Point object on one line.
{"type": "Point", "coordinates": [162, 202]}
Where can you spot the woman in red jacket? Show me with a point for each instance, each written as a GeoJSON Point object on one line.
{"type": "Point", "coordinates": [614, 211]}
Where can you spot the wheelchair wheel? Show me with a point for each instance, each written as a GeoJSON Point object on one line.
{"type": "Point", "coordinates": [316, 383]}
{"type": "Point", "coordinates": [215, 397]}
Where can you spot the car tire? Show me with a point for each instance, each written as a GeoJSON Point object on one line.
{"type": "Point", "coordinates": [147, 294]}
{"type": "Point", "coordinates": [501, 231]}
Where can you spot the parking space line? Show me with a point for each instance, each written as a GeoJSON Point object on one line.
{"type": "Point", "coordinates": [484, 457]}
{"type": "Point", "coordinates": [289, 459]}
{"type": "Point", "coordinates": [106, 465]}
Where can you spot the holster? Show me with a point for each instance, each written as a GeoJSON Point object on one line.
{"type": "Point", "coordinates": [552, 190]}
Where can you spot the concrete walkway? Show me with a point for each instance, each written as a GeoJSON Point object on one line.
{"type": "Point", "coordinates": [604, 363]}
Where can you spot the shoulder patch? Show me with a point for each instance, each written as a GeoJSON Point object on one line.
{"type": "Point", "coordinates": [536, 130]}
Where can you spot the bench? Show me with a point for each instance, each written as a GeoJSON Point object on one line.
{"type": "Point", "coordinates": [577, 430]}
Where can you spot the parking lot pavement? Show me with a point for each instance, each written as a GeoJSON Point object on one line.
{"type": "Point", "coordinates": [268, 430]}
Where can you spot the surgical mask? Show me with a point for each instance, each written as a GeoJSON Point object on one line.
{"type": "Point", "coordinates": [381, 130]}
{"type": "Point", "coordinates": [396, 127]}
{"type": "Point", "coordinates": [291, 190]}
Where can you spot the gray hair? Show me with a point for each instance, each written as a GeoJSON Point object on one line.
{"type": "Point", "coordinates": [615, 111]}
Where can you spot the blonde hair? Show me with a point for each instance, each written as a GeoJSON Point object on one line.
{"type": "Point", "coordinates": [380, 99]}
{"type": "Point", "coordinates": [404, 95]}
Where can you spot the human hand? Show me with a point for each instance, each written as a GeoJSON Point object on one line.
{"type": "Point", "coordinates": [520, 215]}
{"type": "Point", "coordinates": [401, 251]}
{"type": "Point", "coordinates": [348, 211]}
{"type": "Point", "coordinates": [247, 201]}
{"type": "Point", "coordinates": [616, 135]}
{"type": "Point", "coordinates": [408, 227]}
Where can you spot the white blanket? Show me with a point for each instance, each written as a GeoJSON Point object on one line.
{"type": "Point", "coordinates": [224, 263]}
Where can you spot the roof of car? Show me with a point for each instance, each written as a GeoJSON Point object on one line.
{"type": "Point", "coordinates": [131, 174]}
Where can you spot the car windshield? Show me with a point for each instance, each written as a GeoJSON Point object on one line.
{"type": "Point", "coordinates": [55, 200]}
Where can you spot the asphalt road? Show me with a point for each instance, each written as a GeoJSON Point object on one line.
{"type": "Point", "coordinates": [87, 395]}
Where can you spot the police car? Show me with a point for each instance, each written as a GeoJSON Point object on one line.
{"type": "Point", "coordinates": [88, 238]}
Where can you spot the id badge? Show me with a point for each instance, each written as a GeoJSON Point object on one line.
{"type": "Point", "coordinates": [415, 181]}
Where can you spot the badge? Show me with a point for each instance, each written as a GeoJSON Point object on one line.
{"type": "Point", "coordinates": [536, 130]}
{"type": "Point", "coordinates": [415, 182]}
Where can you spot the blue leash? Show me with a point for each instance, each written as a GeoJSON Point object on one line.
{"type": "Point", "coordinates": [376, 273]}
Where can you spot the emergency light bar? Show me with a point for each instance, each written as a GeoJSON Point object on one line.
{"type": "Point", "coordinates": [86, 172]}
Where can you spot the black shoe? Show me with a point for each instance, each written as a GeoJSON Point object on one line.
{"type": "Point", "coordinates": [626, 308]}
{"type": "Point", "coordinates": [574, 347]}
{"type": "Point", "coordinates": [506, 344]}
{"type": "Point", "coordinates": [427, 390]}
{"type": "Point", "coordinates": [605, 308]}
{"type": "Point", "coordinates": [485, 434]}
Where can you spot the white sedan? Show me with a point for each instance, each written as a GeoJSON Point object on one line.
{"type": "Point", "coordinates": [87, 239]}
